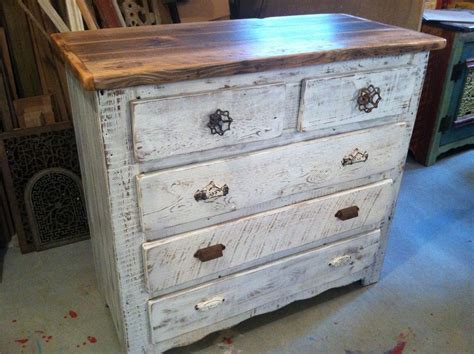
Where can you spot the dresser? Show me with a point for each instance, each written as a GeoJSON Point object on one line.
{"type": "Point", "coordinates": [231, 168]}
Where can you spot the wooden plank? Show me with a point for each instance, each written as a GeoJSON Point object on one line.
{"type": "Point", "coordinates": [5, 52]}
{"type": "Point", "coordinates": [179, 124]}
{"type": "Point", "coordinates": [198, 308]}
{"type": "Point", "coordinates": [51, 70]}
{"type": "Point", "coordinates": [253, 240]}
{"type": "Point", "coordinates": [74, 16]}
{"type": "Point", "coordinates": [125, 57]}
{"type": "Point", "coordinates": [87, 14]}
{"type": "Point", "coordinates": [23, 59]}
{"type": "Point", "coordinates": [332, 101]}
{"type": "Point", "coordinates": [34, 111]}
{"type": "Point", "coordinates": [53, 15]}
{"type": "Point", "coordinates": [109, 13]}
{"type": "Point", "coordinates": [7, 114]}
{"type": "Point", "coordinates": [7, 228]}
{"type": "Point", "coordinates": [167, 198]}
{"type": "Point", "coordinates": [8, 181]}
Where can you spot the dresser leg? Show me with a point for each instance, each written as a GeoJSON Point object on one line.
{"type": "Point", "coordinates": [370, 279]}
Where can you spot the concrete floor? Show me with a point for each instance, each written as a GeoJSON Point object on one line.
{"type": "Point", "coordinates": [423, 303]}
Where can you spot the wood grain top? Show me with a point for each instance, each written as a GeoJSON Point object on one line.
{"type": "Point", "coordinates": [124, 57]}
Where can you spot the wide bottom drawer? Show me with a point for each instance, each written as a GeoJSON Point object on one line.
{"type": "Point", "coordinates": [217, 250]}
{"type": "Point", "coordinates": [198, 308]}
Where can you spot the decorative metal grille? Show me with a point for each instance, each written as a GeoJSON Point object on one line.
{"type": "Point", "coordinates": [466, 107]}
{"type": "Point", "coordinates": [55, 207]}
{"type": "Point", "coordinates": [29, 154]}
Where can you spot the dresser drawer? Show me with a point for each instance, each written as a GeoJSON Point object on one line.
{"type": "Point", "coordinates": [334, 101]}
{"type": "Point", "coordinates": [182, 124]}
{"type": "Point", "coordinates": [196, 308]}
{"type": "Point", "coordinates": [218, 249]}
{"type": "Point", "coordinates": [203, 191]}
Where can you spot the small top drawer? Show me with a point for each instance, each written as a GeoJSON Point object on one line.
{"type": "Point", "coordinates": [337, 100]}
{"type": "Point", "coordinates": [198, 122]}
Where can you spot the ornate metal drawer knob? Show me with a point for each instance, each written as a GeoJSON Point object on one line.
{"type": "Point", "coordinates": [211, 192]}
{"type": "Point", "coordinates": [369, 98]}
{"type": "Point", "coordinates": [219, 122]}
{"type": "Point", "coordinates": [356, 156]}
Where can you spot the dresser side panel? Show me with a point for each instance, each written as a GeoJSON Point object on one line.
{"type": "Point", "coordinates": [122, 169]}
{"type": "Point", "coordinates": [87, 128]}
{"type": "Point", "coordinates": [397, 177]}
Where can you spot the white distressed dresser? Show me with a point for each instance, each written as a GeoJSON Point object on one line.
{"type": "Point", "coordinates": [233, 167]}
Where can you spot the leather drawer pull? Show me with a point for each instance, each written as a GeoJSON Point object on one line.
{"type": "Point", "coordinates": [211, 192]}
{"type": "Point", "coordinates": [369, 98]}
{"type": "Point", "coordinates": [348, 213]}
{"type": "Point", "coordinates": [219, 122]}
{"type": "Point", "coordinates": [210, 253]}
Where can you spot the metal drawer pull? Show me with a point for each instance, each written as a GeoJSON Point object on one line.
{"type": "Point", "coordinates": [219, 122]}
{"type": "Point", "coordinates": [355, 157]}
{"type": "Point", "coordinates": [369, 98]}
{"type": "Point", "coordinates": [210, 253]}
{"type": "Point", "coordinates": [209, 304]}
{"type": "Point", "coordinates": [211, 192]}
{"type": "Point", "coordinates": [348, 213]}
{"type": "Point", "coordinates": [340, 261]}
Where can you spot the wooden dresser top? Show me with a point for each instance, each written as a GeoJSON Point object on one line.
{"type": "Point", "coordinates": [123, 57]}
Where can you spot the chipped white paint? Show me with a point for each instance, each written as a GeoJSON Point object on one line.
{"type": "Point", "coordinates": [103, 124]}
{"type": "Point", "coordinates": [175, 314]}
{"type": "Point", "coordinates": [167, 197]}
{"type": "Point", "coordinates": [254, 239]}
{"type": "Point", "coordinates": [332, 101]}
{"type": "Point", "coordinates": [178, 125]}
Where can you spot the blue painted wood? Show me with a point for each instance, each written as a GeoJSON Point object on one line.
{"type": "Point", "coordinates": [463, 132]}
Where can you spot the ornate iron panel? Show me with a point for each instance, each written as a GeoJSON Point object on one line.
{"type": "Point", "coordinates": [27, 155]}
{"type": "Point", "coordinates": [55, 206]}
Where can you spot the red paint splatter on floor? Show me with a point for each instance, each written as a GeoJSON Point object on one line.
{"type": "Point", "coordinates": [21, 341]}
{"type": "Point", "coordinates": [399, 348]}
{"type": "Point", "coordinates": [228, 340]}
{"type": "Point", "coordinates": [92, 339]}
{"type": "Point", "coordinates": [73, 314]}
